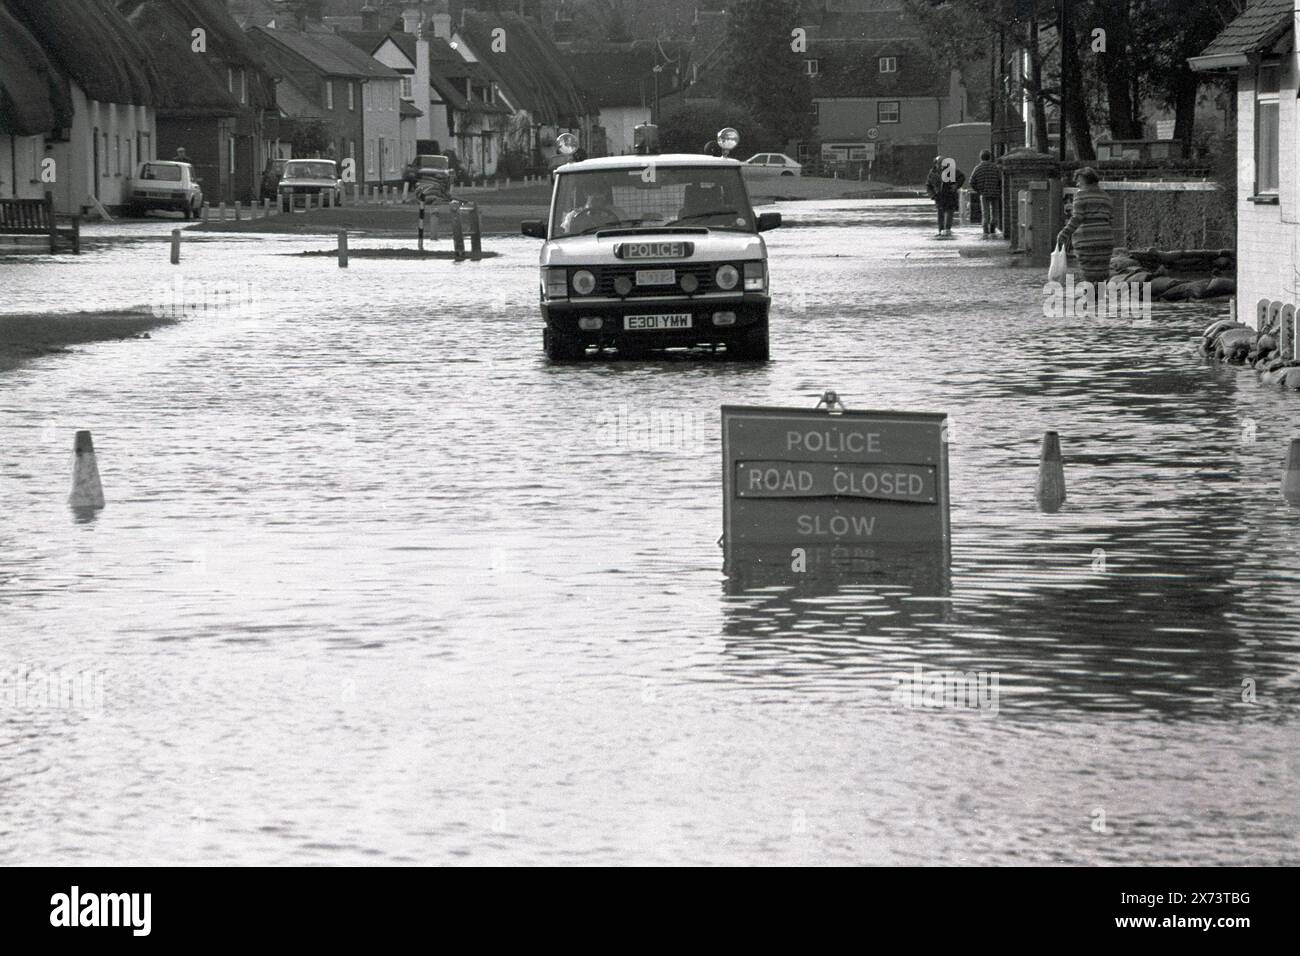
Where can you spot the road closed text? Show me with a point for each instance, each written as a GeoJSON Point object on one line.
{"type": "Point", "coordinates": [779, 479]}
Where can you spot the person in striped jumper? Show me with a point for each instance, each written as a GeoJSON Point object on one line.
{"type": "Point", "coordinates": [1091, 226]}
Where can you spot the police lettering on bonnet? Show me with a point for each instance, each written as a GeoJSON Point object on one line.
{"type": "Point", "coordinates": [653, 251]}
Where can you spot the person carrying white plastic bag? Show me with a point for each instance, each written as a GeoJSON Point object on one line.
{"type": "Point", "coordinates": [1056, 269]}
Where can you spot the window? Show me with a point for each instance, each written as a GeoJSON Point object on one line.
{"type": "Point", "coordinates": [230, 79]}
{"type": "Point", "coordinates": [811, 67]}
{"type": "Point", "coordinates": [329, 94]}
{"type": "Point", "coordinates": [816, 111]}
{"type": "Point", "coordinates": [408, 88]}
{"type": "Point", "coordinates": [887, 111]}
{"type": "Point", "coordinates": [1266, 129]}
{"type": "Point", "coordinates": [117, 154]}
{"type": "Point", "coordinates": [104, 163]}
{"type": "Point", "coordinates": [889, 64]}
{"type": "Point", "coordinates": [352, 95]}
{"type": "Point", "coordinates": [243, 85]}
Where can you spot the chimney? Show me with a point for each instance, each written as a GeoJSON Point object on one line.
{"type": "Point", "coordinates": [370, 18]}
{"type": "Point", "coordinates": [441, 20]}
{"type": "Point", "coordinates": [411, 21]}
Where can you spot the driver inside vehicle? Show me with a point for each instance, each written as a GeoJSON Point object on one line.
{"type": "Point", "coordinates": [598, 210]}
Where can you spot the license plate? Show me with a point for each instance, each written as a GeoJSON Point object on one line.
{"type": "Point", "coordinates": [653, 323]}
{"type": "Point", "coordinates": [656, 277]}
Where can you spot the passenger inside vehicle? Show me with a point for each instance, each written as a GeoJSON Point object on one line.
{"type": "Point", "coordinates": [706, 204]}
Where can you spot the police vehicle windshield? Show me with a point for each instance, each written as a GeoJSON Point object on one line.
{"type": "Point", "coordinates": [651, 196]}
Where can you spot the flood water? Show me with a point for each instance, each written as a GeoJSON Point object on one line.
{"type": "Point", "coordinates": [377, 583]}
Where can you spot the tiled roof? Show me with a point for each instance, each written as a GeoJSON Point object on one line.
{"type": "Point", "coordinates": [622, 74]}
{"type": "Point", "coordinates": [1255, 30]}
{"type": "Point", "coordinates": [329, 53]}
{"type": "Point", "coordinates": [852, 69]}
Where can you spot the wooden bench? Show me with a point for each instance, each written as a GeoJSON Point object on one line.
{"type": "Point", "coordinates": [36, 217]}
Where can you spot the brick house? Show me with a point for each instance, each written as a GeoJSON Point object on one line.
{"type": "Point", "coordinates": [323, 78]}
{"type": "Point", "coordinates": [218, 102]}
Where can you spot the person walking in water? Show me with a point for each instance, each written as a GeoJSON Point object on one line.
{"type": "Point", "coordinates": [986, 181]}
{"type": "Point", "coordinates": [943, 185]}
{"type": "Point", "coordinates": [1091, 226]}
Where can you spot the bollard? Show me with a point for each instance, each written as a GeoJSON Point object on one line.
{"type": "Point", "coordinates": [237, 204]}
{"type": "Point", "coordinates": [1291, 474]}
{"type": "Point", "coordinates": [207, 207]}
{"type": "Point", "coordinates": [221, 211]}
{"type": "Point", "coordinates": [435, 225]}
{"type": "Point", "coordinates": [176, 247]}
{"type": "Point", "coordinates": [266, 208]}
{"type": "Point", "coordinates": [475, 233]}
{"type": "Point", "coordinates": [87, 492]}
{"type": "Point", "coordinates": [421, 230]}
{"type": "Point", "coordinates": [343, 248]}
{"type": "Point", "coordinates": [1051, 474]}
{"type": "Point", "coordinates": [406, 190]}
{"type": "Point", "coordinates": [457, 233]}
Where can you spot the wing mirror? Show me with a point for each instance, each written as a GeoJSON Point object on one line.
{"type": "Point", "coordinates": [534, 228]}
{"type": "Point", "coordinates": [768, 220]}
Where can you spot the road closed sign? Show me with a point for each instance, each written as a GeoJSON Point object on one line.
{"type": "Point", "coordinates": [807, 477]}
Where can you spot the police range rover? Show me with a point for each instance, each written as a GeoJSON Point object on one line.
{"type": "Point", "coordinates": [651, 252]}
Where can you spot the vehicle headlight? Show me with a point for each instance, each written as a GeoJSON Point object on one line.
{"type": "Point", "coordinates": [584, 283]}
{"type": "Point", "coordinates": [727, 278]}
{"type": "Point", "coordinates": [556, 283]}
{"type": "Point", "coordinates": [755, 276]}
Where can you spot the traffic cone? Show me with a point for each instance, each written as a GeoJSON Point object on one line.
{"type": "Point", "coordinates": [86, 489]}
{"type": "Point", "coordinates": [1291, 474]}
{"type": "Point", "coordinates": [1051, 473]}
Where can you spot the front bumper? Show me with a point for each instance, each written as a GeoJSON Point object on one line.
{"type": "Point", "coordinates": [750, 310]}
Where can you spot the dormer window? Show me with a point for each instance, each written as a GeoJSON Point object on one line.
{"type": "Point", "coordinates": [889, 64]}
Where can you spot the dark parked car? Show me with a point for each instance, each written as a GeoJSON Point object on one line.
{"type": "Point", "coordinates": [431, 177]}
{"type": "Point", "coordinates": [271, 177]}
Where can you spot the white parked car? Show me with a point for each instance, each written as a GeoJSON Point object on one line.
{"type": "Point", "coordinates": [772, 164]}
{"type": "Point", "coordinates": [653, 252]}
{"type": "Point", "coordinates": [316, 178]}
{"type": "Point", "coordinates": [165, 184]}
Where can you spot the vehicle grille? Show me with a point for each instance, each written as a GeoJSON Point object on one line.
{"type": "Point", "coordinates": [606, 275]}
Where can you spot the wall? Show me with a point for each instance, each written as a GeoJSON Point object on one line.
{"type": "Point", "coordinates": [1267, 259]}
{"type": "Point", "coordinates": [20, 164]}
{"type": "Point", "coordinates": [847, 120]}
{"type": "Point", "coordinates": [383, 132]}
{"type": "Point", "coordinates": [619, 122]}
{"type": "Point", "coordinates": [124, 126]}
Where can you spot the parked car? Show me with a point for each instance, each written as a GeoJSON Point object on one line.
{"type": "Point", "coordinates": [772, 164]}
{"type": "Point", "coordinates": [309, 177]}
{"type": "Point", "coordinates": [271, 177]}
{"type": "Point", "coordinates": [642, 262]}
{"type": "Point", "coordinates": [427, 165]}
{"type": "Point", "coordinates": [165, 184]}
{"type": "Point", "coordinates": [431, 176]}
